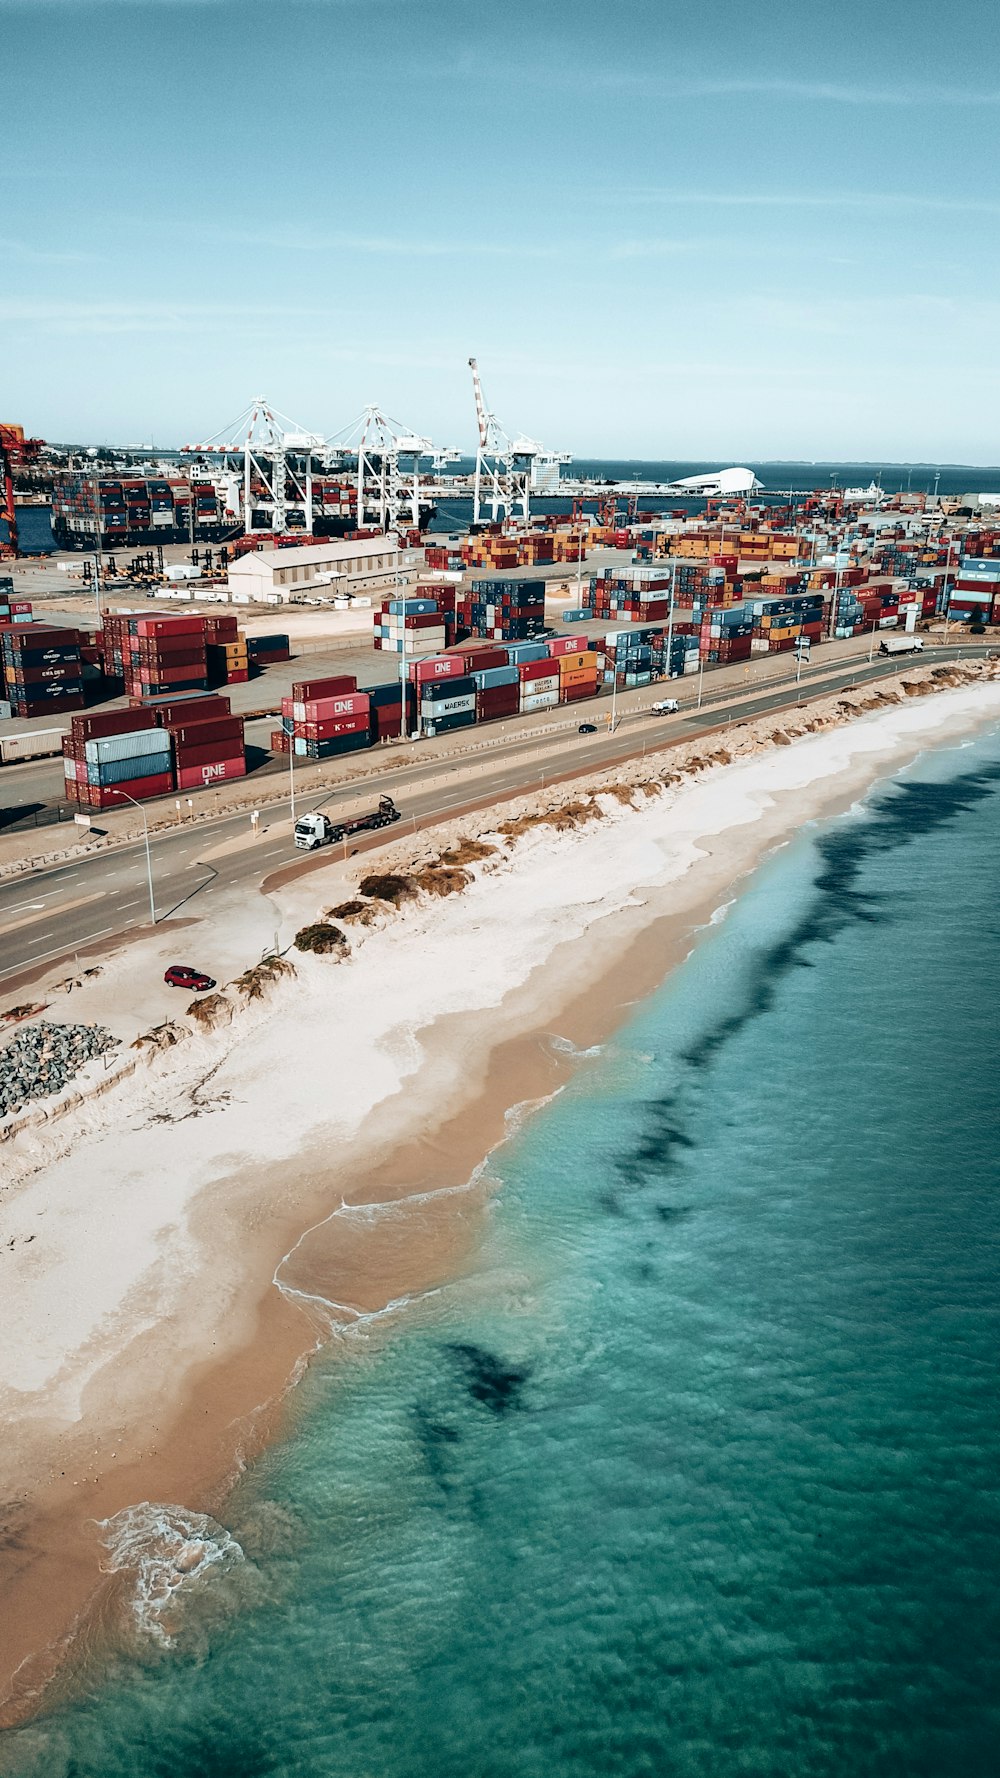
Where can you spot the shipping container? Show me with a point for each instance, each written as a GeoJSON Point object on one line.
{"type": "Point", "coordinates": [217, 772]}
{"type": "Point", "coordinates": [305, 691]}
{"type": "Point", "coordinates": [135, 745]}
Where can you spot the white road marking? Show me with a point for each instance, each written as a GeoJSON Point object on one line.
{"type": "Point", "coordinates": [21, 905]}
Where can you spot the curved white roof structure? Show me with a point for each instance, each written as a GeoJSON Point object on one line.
{"type": "Point", "coordinates": [722, 481]}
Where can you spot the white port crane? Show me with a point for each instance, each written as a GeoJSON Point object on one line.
{"type": "Point", "coordinates": [508, 470]}
{"type": "Point", "coordinates": [389, 456]}
{"type": "Point", "coordinates": [276, 451]}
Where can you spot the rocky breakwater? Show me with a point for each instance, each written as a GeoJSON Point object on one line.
{"type": "Point", "coordinates": [44, 1059]}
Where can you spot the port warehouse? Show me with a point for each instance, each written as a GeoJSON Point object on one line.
{"type": "Point", "coordinates": [360, 566]}
{"type": "Point", "coordinates": [473, 653]}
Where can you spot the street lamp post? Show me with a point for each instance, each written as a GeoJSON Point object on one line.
{"type": "Point", "coordinates": [97, 544]}
{"type": "Point", "coordinates": [145, 835]}
{"type": "Point", "coordinates": [701, 675]}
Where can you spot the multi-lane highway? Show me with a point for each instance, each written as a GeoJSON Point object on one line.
{"type": "Point", "coordinates": [54, 911]}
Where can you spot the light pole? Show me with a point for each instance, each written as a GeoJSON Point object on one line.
{"type": "Point", "coordinates": [701, 675]}
{"type": "Point", "coordinates": [871, 645]}
{"type": "Point", "coordinates": [145, 835]}
{"type": "Point", "coordinates": [670, 616]}
{"type": "Point", "coordinates": [97, 544]}
{"type": "Point", "coordinates": [291, 774]}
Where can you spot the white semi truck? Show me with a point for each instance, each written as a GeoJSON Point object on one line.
{"type": "Point", "coordinates": [317, 829]}
{"type": "Point", "coordinates": [901, 645]}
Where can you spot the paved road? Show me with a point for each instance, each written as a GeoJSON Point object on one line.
{"type": "Point", "coordinates": [49, 912]}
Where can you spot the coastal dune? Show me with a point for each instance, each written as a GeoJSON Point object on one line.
{"type": "Point", "coordinates": [303, 1164]}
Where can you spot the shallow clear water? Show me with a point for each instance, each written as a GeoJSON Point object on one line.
{"type": "Point", "coordinates": [697, 1472]}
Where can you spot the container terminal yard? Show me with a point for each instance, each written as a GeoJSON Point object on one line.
{"type": "Point", "coordinates": [266, 616]}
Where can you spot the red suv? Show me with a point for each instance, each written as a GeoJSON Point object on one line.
{"type": "Point", "coordinates": [180, 976]}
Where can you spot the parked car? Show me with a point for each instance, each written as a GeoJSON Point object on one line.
{"type": "Point", "coordinates": [587, 728]}
{"type": "Point", "coordinates": [179, 975]}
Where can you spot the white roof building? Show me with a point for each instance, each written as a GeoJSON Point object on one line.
{"type": "Point", "coordinates": [347, 566]}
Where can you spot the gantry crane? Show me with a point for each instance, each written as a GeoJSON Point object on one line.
{"type": "Point", "coordinates": [507, 470]}
{"type": "Point", "coordinates": [15, 451]}
{"type": "Point", "coordinates": [277, 459]}
{"type": "Point", "coordinates": [388, 456]}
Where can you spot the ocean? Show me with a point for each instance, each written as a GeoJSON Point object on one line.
{"type": "Point", "coordinates": [694, 1471]}
{"type": "Point", "coordinates": [456, 515]}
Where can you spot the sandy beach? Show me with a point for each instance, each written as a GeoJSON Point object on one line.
{"type": "Point", "coordinates": [179, 1239]}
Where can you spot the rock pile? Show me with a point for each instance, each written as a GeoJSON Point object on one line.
{"type": "Point", "coordinates": [44, 1058]}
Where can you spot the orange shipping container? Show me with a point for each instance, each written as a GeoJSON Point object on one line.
{"type": "Point", "coordinates": [575, 663]}
{"type": "Point", "coordinates": [580, 676]}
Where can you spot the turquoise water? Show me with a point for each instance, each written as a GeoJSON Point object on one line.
{"type": "Point", "coordinates": [697, 1472]}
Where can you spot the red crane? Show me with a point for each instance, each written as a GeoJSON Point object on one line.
{"type": "Point", "coordinates": [15, 451]}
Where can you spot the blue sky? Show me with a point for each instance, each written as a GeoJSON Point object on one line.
{"type": "Point", "coordinates": [704, 230]}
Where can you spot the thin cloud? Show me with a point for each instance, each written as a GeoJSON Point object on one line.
{"type": "Point", "coordinates": [24, 250]}
{"type": "Point", "coordinates": [845, 200]}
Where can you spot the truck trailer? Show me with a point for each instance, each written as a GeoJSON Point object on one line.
{"type": "Point", "coordinates": [901, 645]}
{"type": "Point", "coordinates": [317, 829]}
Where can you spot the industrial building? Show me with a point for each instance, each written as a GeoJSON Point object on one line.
{"type": "Point", "coordinates": [347, 567]}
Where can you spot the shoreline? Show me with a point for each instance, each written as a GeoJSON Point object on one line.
{"type": "Point", "coordinates": [451, 1082]}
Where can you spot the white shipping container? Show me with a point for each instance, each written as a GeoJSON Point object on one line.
{"type": "Point", "coordinates": [432, 709]}
{"type": "Point", "coordinates": [36, 746]}
{"type": "Point", "coordinates": [137, 744]}
{"type": "Point", "coordinates": [543, 700]}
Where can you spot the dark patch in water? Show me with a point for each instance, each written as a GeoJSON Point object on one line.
{"type": "Point", "coordinates": [610, 1203]}
{"type": "Point", "coordinates": [435, 1439]}
{"type": "Point", "coordinates": [490, 1381]}
{"type": "Point", "coordinates": [907, 811]}
{"type": "Point", "coordinates": [672, 1212]}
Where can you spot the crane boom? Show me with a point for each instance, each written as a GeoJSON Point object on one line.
{"type": "Point", "coordinates": [481, 415]}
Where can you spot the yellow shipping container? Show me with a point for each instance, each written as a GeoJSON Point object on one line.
{"type": "Point", "coordinates": [577, 663]}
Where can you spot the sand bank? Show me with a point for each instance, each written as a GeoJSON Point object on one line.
{"type": "Point", "coordinates": [174, 1247]}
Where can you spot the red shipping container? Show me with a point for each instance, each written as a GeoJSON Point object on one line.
{"type": "Point", "coordinates": [239, 677]}
{"type": "Point", "coordinates": [324, 709]}
{"type": "Point", "coordinates": [558, 645]}
{"type": "Point", "coordinates": [331, 726]}
{"type": "Point", "coordinates": [196, 734]}
{"type": "Point", "coordinates": [205, 709]}
{"type": "Point", "coordinates": [280, 742]}
{"type": "Point", "coordinates": [168, 675]}
{"type": "Point", "coordinates": [25, 636]}
{"type": "Point", "coordinates": [528, 670]}
{"type": "Point", "coordinates": [568, 694]}
{"type": "Point", "coordinates": [218, 772]}
{"type": "Point", "coordinates": [204, 753]}
{"type": "Point", "coordinates": [138, 789]}
{"type": "Point", "coordinates": [170, 626]}
{"type": "Point", "coordinates": [179, 657]}
{"type": "Point", "coordinates": [437, 666]}
{"type": "Point", "coordinates": [306, 689]}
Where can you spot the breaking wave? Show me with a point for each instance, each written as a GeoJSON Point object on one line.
{"type": "Point", "coordinates": [164, 1549]}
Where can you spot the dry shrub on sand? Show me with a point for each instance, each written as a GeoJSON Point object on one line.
{"type": "Point", "coordinates": [322, 939]}
{"type": "Point", "coordinates": [211, 1010]}
{"type": "Point", "coordinates": [622, 793]}
{"type": "Point", "coordinates": [466, 852]}
{"type": "Point", "coordinates": [253, 982]}
{"type": "Point", "coordinates": [388, 887]}
{"type": "Point", "coordinates": [436, 881]}
{"type": "Point", "coordinates": [361, 911]}
{"type": "Point", "coordinates": [159, 1037]}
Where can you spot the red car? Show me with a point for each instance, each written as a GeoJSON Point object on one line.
{"type": "Point", "coordinates": [180, 976]}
